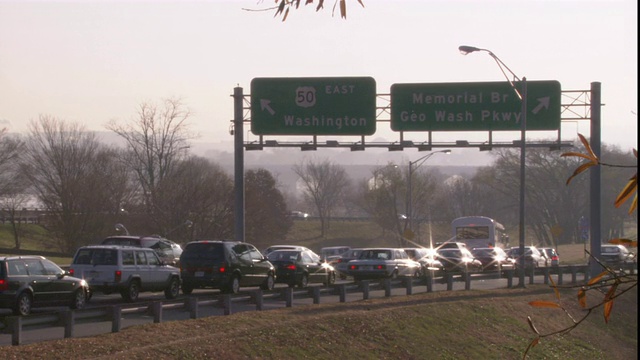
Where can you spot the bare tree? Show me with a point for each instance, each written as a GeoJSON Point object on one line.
{"type": "Point", "coordinates": [324, 185]}
{"type": "Point", "coordinates": [156, 141]}
{"type": "Point", "coordinates": [199, 191]}
{"type": "Point", "coordinates": [267, 220]}
{"type": "Point", "coordinates": [383, 198]}
{"type": "Point", "coordinates": [61, 165]}
{"type": "Point", "coordinates": [13, 187]}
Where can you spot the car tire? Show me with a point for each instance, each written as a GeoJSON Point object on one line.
{"type": "Point", "coordinates": [331, 278]}
{"type": "Point", "coordinates": [79, 299]}
{"type": "Point", "coordinates": [269, 283]}
{"type": "Point", "coordinates": [131, 293]}
{"type": "Point", "coordinates": [187, 289]}
{"type": "Point", "coordinates": [23, 304]}
{"type": "Point", "coordinates": [173, 289]}
{"type": "Point", "coordinates": [304, 281]}
{"type": "Point", "coordinates": [233, 287]}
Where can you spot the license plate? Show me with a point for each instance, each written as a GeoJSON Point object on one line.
{"type": "Point", "coordinates": [199, 273]}
{"type": "Point", "coordinates": [366, 267]}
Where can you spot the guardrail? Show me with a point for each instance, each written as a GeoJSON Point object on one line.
{"type": "Point", "coordinates": [68, 319]}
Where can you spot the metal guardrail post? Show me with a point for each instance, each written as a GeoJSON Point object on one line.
{"type": "Point", "coordinates": [364, 286]}
{"type": "Point", "coordinates": [545, 272]}
{"type": "Point", "coordinates": [258, 299]}
{"type": "Point", "coordinates": [314, 292]}
{"type": "Point", "coordinates": [387, 287]}
{"type": "Point", "coordinates": [156, 310]}
{"type": "Point", "coordinates": [342, 291]}
{"type": "Point", "coordinates": [449, 279]}
{"type": "Point", "coordinates": [408, 283]}
{"type": "Point", "coordinates": [509, 274]}
{"type": "Point", "coordinates": [226, 302]}
{"type": "Point", "coordinates": [68, 318]}
{"type": "Point", "coordinates": [193, 307]}
{"type": "Point", "coordinates": [467, 280]}
{"type": "Point", "coordinates": [15, 324]}
{"type": "Point", "coordinates": [288, 296]}
{"type": "Point", "coordinates": [429, 281]}
{"type": "Point", "coordinates": [560, 276]}
{"type": "Point", "coordinates": [574, 275]}
{"type": "Point", "coordinates": [116, 318]}
{"type": "Point", "coordinates": [532, 274]}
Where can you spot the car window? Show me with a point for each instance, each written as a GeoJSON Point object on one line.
{"type": "Point", "coordinates": [34, 266]}
{"type": "Point", "coordinates": [127, 257]}
{"type": "Point", "coordinates": [141, 259]}
{"type": "Point", "coordinates": [306, 258]}
{"type": "Point", "coordinates": [83, 257]}
{"type": "Point", "coordinates": [204, 250]}
{"type": "Point", "coordinates": [152, 258]}
{"type": "Point", "coordinates": [50, 268]}
{"type": "Point", "coordinates": [104, 257]}
{"type": "Point", "coordinates": [17, 267]}
{"type": "Point", "coordinates": [254, 253]}
{"type": "Point", "coordinates": [242, 252]}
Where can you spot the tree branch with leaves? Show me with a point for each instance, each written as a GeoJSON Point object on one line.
{"type": "Point", "coordinates": [611, 283]}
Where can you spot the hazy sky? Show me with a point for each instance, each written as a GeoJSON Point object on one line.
{"type": "Point", "coordinates": [93, 61]}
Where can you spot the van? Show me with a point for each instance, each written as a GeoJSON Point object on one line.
{"type": "Point", "coordinates": [224, 265]}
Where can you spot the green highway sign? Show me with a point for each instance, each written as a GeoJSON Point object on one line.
{"type": "Point", "coordinates": [490, 106]}
{"type": "Point", "coordinates": [313, 106]}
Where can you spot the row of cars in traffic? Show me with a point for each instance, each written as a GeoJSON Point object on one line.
{"type": "Point", "coordinates": [129, 265]}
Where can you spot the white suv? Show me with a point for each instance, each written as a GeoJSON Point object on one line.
{"type": "Point", "coordinates": [125, 269]}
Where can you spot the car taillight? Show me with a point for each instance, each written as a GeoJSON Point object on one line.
{"type": "Point", "coordinates": [353, 267]}
{"type": "Point", "coordinates": [222, 268]}
{"type": "Point", "coordinates": [71, 272]}
{"type": "Point", "coordinates": [291, 267]}
{"type": "Point", "coordinates": [3, 285]}
{"type": "Point", "coordinates": [118, 275]}
{"type": "Point", "coordinates": [554, 258]}
{"type": "Point", "coordinates": [380, 267]}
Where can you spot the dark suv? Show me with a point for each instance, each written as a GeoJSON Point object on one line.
{"type": "Point", "coordinates": [224, 265]}
{"type": "Point", "coordinates": [28, 281]}
{"type": "Point", "coordinates": [167, 250]}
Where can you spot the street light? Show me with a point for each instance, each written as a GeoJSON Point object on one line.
{"type": "Point", "coordinates": [120, 227]}
{"type": "Point", "coordinates": [522, 95]}
{"type": "Point", "coordinates": [417, 163]}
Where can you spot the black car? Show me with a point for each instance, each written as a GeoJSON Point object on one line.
{"type": "Point", "coordinates": [494, 258]}
{"type": "Point", "coordinates": [30, 281]}
{"type": "Point", "coordinates": [299, 267]}
{"type": "Point", "coordinates": [167, 250]}
{"type": "Point", "coordinates": [224, 265]}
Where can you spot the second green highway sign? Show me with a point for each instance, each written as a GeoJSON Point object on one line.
{"type": "Point", "coordinates": [313, 106]}
{"type": "Point", "coordinates": [474, 106]}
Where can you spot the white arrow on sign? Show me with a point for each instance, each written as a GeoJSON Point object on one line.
{"type": "Point", "coordinates": [542, 103]}
{"type": "Point", "coordinates": [264, 104]}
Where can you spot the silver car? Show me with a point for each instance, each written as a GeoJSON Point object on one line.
{"type": "Point", "coordinates": [381, 263]}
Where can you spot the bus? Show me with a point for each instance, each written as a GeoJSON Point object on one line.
{"type": "Point", "coordinates": [479, 232]}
